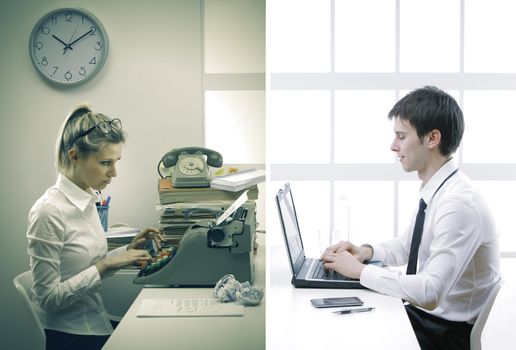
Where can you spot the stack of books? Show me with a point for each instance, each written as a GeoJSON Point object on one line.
{"type": "Point", "coordinates": [176, 218]}
{"type": "Point", "coordinates": [169, 194]}
{"type": "Point", "coordinates": [180, 208]}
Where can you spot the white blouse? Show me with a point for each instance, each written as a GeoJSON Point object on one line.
{"type": "Point", "coordinates": [66, 239]}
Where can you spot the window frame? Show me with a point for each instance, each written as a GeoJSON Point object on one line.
{"type": "Point", "coordinates": [397, 81]}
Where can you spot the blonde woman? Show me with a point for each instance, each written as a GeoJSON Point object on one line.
{"type": "Point", "coordinates": [66, 242]}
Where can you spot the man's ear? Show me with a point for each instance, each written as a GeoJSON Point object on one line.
{"type": "Point", "coordinates": [433, 138]}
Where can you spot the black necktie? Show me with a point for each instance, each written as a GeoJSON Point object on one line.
{"type": "Point", "coordinates": [416, 238]}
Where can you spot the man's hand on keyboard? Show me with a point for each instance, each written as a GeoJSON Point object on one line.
{"type": "Point", "coordinates": [344, 263]}
{"type": "Point", "coordinates": [360, 253]}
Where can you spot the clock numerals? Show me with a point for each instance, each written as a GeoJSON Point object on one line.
{"type": "Point", "coordinates": [68, 16]}
{"type": "Point", "coordinates": [68, 76]}
{"type": "Point", "coordinates": [44, 30]}
{"type": "Point", "coordinates": [68, 46]}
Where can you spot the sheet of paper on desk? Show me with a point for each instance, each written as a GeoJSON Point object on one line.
{"type": "Point", "coordinates": [188, 307]}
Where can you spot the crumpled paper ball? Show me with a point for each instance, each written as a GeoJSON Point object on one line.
{"type": "Point", "coordinates": [228, 289]}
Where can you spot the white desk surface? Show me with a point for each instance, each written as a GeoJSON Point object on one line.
{"type": "Point", "coordinates": [185, 333]}
{"type": "Point", "coordinates": [293, 323]}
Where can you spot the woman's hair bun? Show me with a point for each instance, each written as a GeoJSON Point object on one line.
{"type": "Point", "coordinates": [80, 109]}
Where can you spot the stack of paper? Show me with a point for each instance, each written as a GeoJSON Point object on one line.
{"type": "Point", "coordinates": [180, 208]}
{"type": "Point", "coordinates": [177, 217]}
{"type": "Point", "coordinates": [169, 194]}
{"type": "Point", "coordinates": [238, 181]}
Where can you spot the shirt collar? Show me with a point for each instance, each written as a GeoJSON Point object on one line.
{"type": "Point", "coordinates": [76, 195]}
{"type": "Point", "coordinates": [428, 190]}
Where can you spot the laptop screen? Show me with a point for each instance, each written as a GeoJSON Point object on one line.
{"type": "Point", "coordinates": [290, 226]}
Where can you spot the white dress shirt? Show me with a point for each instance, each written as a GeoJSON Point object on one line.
{"type": "Point", "coordinates": [458, 260]}
{"type": "Point", "coordinates": [66, 239]}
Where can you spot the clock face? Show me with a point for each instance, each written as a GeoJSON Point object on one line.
{"type": "Point", "coordinates": [68, 46]}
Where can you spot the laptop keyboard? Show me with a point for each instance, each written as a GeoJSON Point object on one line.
{"type": "Point", "coordinates": [319, 273]}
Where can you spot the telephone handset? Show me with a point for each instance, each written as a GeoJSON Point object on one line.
{"type": "Point", "coordinates": [190, 166]}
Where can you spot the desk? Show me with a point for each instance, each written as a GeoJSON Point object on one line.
{"type": "Point", "coordinates": [293, 323]}
{"type": "Point", "coordinates": [189, 333]}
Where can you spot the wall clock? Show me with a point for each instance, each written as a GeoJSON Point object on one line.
{"type": "Point", "coordinates": [68, 46]}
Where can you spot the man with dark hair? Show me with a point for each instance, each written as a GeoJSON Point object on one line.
{"type": "Point", "coordinates": [451, 245]}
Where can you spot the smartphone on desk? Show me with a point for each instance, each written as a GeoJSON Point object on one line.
{"type": "Point", "coordinates": [337, 302]}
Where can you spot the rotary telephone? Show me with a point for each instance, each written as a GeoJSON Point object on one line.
{"type": "Point", "coordinates": [190, 167]}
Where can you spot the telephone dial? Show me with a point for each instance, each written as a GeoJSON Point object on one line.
{"type": "Point", "coordinates": [190, 167]}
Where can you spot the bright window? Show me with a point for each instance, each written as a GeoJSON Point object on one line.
{"type": "Point", "coordinates": [489, 31]}
{"type": "Point", "coordinates": [355, 140]}
{"type": "Point", "coordinates": [427, 46]}
{"type": "Point", "coordinates": [490, 123]}
{"type": "Point", "coordinates": [298, 123]}
{"type": "Point", "coordinates": [364, 36]}
{"type": "Point", "coordinates": [335, 107]}
{"type": "Point", "coordinates": [235, 125]}
{"type": "Point", "coordinates": [370, 211]}
{"type": "Point", "coordinates": [300, 41]}
{"type": "Point", "coordinates": [234, 79]}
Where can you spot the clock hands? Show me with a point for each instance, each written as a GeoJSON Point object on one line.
{"type": "Point", "coordinates": [79, 38]}
{"type": "Point", "coordinates": [69, 45]}
{"type": "Point", "coordinates": [66, 46]}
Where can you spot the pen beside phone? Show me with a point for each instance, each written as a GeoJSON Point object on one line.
{"type": "Point", "coordinates": [352, 311]}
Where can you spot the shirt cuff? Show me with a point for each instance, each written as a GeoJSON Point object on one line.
{"type": "Point", "coordinates": [370, 275]}
{"type": "Point", "coordinates": [378, 254]}
{"type": "Point", "coordinates": [117, 251]}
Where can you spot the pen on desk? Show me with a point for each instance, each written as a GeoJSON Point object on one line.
{"type": "Point", "coordinates": [107, 201]}
{"type": "Point", "coordinates": [352, 311]}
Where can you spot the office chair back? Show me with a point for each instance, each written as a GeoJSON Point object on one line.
{"type": "Point", "coordinates": [478, 327]}
{"type": "Point", "coordinates": [37, 338]}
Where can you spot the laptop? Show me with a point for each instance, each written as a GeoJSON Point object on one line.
{"type": "Point", "coordinates": [306, 272]}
